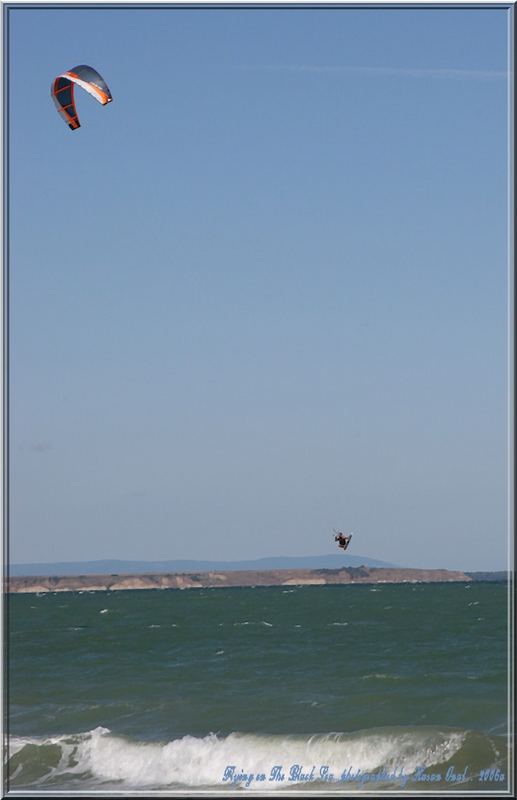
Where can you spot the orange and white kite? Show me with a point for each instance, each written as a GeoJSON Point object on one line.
{"type": "Point", "coordinates": [62, 91]}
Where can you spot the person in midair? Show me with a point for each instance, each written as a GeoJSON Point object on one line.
{"type": "Point", "coordinates": [342, 540]}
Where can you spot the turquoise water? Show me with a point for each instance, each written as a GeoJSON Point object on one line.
{"type": "Point", "coordinates": [171, 689]}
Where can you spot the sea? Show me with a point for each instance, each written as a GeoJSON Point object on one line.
{"type": "Point", "coordinates": [351, 689]}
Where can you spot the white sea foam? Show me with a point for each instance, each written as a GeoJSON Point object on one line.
{"type": "Point", "coordinates": [247, 622]}
{"type": "Point", "coordinates": [198, 762]}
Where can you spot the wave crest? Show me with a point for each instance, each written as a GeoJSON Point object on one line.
{"type": "Point", "coordinates": [99, 757]}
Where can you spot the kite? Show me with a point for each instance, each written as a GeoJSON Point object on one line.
{"type": "Point", "coordinates": [62, 91]}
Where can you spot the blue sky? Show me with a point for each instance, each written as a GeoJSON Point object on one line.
{"type": "Point", "coordinates": [263, 293]}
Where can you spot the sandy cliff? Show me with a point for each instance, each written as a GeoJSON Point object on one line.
{"type": "Point", "coordinates": [278, 577]}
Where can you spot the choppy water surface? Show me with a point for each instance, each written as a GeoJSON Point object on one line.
{"type": "Point", "coordinates": [392, 686]}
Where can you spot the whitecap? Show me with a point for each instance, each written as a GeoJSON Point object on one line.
{"type": "Point", "coordinates": [247, 622]}
{"type": "Point", "coordinates": [191, 761]}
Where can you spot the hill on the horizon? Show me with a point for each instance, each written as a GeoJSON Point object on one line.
{"type": "Point", "coordinates": [112, 566]}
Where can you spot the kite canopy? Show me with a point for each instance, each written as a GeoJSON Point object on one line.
{"type": "Point", "coordinates": [62, 91]}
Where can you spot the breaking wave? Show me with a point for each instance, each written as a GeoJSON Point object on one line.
{"type": "Point", "coordinates": [101, 758]}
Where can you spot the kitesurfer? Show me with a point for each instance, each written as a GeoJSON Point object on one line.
{"type": "Point", "coordinates": [342, 540]}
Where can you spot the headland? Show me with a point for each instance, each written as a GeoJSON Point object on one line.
{"type": "Point", "coordinates": [236, 578]}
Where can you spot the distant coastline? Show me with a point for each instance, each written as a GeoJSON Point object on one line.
{"type": "Point", "coordinates": [109, 566]}
{"type": "Point", "coordinates": [234, 578]}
